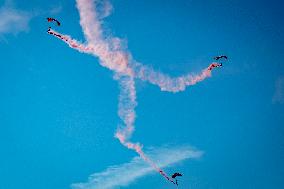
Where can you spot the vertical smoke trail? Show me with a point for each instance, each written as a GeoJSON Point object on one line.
{"type": "Point", "coordinates": [127, 104]}
{"type": "Point", "coordinates": [89, 21]}
{"type": "Point", "coordinates": [107, 49]}
{"type": "Point", "coordinates": [113, 57]}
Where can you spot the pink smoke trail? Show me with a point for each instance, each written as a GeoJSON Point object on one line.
{"type": "Point", "coordinates": [137, 70]}
{"type": "Point", "coordinates": [114, 57]}
{"type": "Point", "coordinates": [127, 98]}
{"type": "Point", "coordinates": [167, 83]}
{"type": "Point", "coordinates": [71, 42]}
{"type": "Point", "coordinates": [115, 60]}
{"type": "Point", "coordinates": [127, 104]}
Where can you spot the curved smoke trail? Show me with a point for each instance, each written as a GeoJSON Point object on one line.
{"type": "Point", "coordinates": [112, 56]}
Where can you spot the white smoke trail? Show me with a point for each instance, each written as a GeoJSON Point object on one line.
{"type": "Point", "coordinates": [167, 83]}
{"type": "Point", "coordinates": [126, 106]}
{"type": "Point", "coordinates": [89, 21]}
{"type": "Point", "coordinates": [115, 58]}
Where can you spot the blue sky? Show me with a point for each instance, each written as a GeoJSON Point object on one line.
{"type": "Point", "coordinates": [58, 107]}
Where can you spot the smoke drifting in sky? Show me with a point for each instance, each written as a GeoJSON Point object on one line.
{"type": "Point", "coordinates": [124, 174]}
{"type": "Point", "coordinates": [111, 55]}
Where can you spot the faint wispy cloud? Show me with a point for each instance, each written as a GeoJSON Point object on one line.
{"type": "Point", "coordinates": [124, 174]}
{"type": "Point", "coordinates": [278, 96]}
{"type": "Point", "coordinates": [55, 10]}
{"type": "Point", "coordinates": [13, 20]}
{"type": "Point", "coordinates": [106, 9]}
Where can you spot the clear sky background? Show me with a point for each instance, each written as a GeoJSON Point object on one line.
{"type": "Point", "coordinates": [58, 107]}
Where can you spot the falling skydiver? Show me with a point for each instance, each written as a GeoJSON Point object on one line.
{"type": "Point", "coordinates": [49, 28]}
{"type": "Point", "coordinates": [175, 175]}
{"type": "Point", "coordinates": [214, 65]}
{"type": "Point", "coordinates": [220, 57]}
{"type": "Point", "coordinates": [53, 19]}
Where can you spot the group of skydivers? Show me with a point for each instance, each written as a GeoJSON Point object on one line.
{"type": "Point", "coordinates": [217, 64]}
{"type": "Point", "coordinates": [213, 65]}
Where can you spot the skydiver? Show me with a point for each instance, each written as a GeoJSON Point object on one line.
{"type": "Point", "coordinates": [214, 65]}
{"type": "Point", "coordinates": [175, 175]}
{"type": "Point", "coordinates": [219, 57]}
{"type": "Point", "coordinates": [53, 19]}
